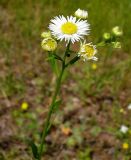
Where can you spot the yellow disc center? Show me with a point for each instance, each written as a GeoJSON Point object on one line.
{"type": "Point", "coordinates": [69, 28]}
{"type": "Point", "coordinates": [89, 50]}
{"type": "Point", "coordinates": [50, 43]}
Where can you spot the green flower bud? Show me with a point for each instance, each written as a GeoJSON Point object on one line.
{"type": "Point", "coordinates": [117, 31]}
{"type": "Point", "coordinates": [116, 44]}
{"type": "Point", "coordinates": [46, 34]}
{"type": "Point", "coordinates": [49, 44]}
{"type": "Point", "coordinates": [107, 36]}
{"type": "Point", "coordinates": [81, 14]}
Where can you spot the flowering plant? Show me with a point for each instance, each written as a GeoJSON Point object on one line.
{"type": "Point", "coordinates": [70, 29]}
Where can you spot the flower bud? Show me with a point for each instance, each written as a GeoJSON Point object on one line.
{"type": "Point", "coordinates": [129, 106]}
{"type": "Point", "coordinates": [46, 34]}
{"type": "Point", "coordinates": [117, 31]}
{"type": "Point", "coordinates": [81, 14]}
{"type": "Point", "coordinates": [107, 36]}
{"type": "Point", "coordinates": [94, 66]}
{"type": "Point", "coordinates": [49, 44]}
{"type": "Point", "coordinates": [124, 129]}
{"type": "Point", "coordinates": [116, 45]}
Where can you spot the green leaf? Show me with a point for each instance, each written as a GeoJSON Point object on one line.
{"type": "Point", "coordinates": [72, 61]}
{"type": "Point", "coordinates": [58, 57]}
{"type": "Point", "coordinates": [101, 44]}
{"type": "Point", "coordinates": [85, 155]}
{"type": "Point", "coordinates": [49, 58]}
{"type": "Point", "coordinates": [34, 149]}
{"type": "Point", "coordinates": [71, 141]}
{"type": "Point", "coordinates": [95, 131]}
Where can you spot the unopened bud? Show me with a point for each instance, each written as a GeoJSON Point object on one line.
{"type": "Point", "coordinates": [49, 44]}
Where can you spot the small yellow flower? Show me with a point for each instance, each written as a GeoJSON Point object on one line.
{"type": "Point", "coordinates": [125, 146]}
{"type": "Point", "coordinates": [24, 106]}
{"type": "Point", "coordinates": [46, 34]}
{"type": "Point", "coordinates": [106, 36]}
{"type": "Point", "coordinates": [49, 44]}
{"type": "Point", "coordinates": [94, 66]}
{"type": "Point", "coordinates": [117, 31]}
{"type": "Point", "coordinates": [122, 110]}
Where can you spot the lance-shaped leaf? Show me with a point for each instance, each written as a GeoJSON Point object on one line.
{"type": "Point", "coordinates": [34, 148]}
{"type": "Point", "coordinates": [72, 61]}
{"type": "Point", "coordinates": [58, 57]}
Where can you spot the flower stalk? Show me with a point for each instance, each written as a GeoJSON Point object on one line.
{"type": "Point", "coordinates": [51, 108]}
{"type": "Point", "coordinates": [70, 29]}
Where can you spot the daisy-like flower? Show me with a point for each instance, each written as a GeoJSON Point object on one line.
{"type": "Point", "coordinates": [81, 14]}
{"type": "Point", "coordinates": [88, 51]}
{"type": "Point", "coordinates": [49, 44]}
{"type": "Point", "coordinates": [68, 29]}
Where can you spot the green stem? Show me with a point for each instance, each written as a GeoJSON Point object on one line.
{"type": "Point", "coordinates": [47, 123]}
{"type": "Point", "coordinates": [53, 63]}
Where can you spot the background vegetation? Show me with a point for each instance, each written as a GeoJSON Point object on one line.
{"type": "Point", "coordinates": [95, 100]}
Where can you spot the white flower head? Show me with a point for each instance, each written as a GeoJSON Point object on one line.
{"type": "Point", "coordinates": [81, 14]}
{"type": "Point", "coordinates": [69, 28]}
{"type": "Point", "coordinates": [129, 106]}
{"type": "Point", "coordinates": [88, 51]}
{"type": "Point", "coordinates": [124, 129]}
{"type": "Point", "coordinates": [49, 44]}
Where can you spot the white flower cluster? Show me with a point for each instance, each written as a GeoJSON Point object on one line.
{"type": "Point", "coordinates": [70, 29]}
